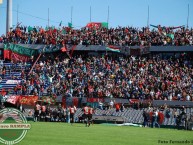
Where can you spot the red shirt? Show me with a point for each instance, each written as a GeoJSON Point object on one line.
{"type": "Point", "coordinates": [72, 110]}
{"type": "Point", "coordinates": [86, 110]}
{"type": "Point", "coordinates": [90, 111]}
{"type": "Point", "coordinates": [117, 106]}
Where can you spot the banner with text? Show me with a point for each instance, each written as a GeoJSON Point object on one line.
{"type": "Point", "coordinates": [13, 81]}
{"type": "Point", "coordinates": [28, 100]}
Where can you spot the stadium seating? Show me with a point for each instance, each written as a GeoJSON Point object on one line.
{"type": "Point", "coordinates": [17, 76]}
{"type": "Point", "coordinates": [9, 76]}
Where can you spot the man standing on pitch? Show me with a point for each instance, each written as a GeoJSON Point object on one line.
{"type": "Point", "coordinates": [90, 112]}
{"type": "Point", "coordinates": [72, 111]}
{"type": "Point", "coordinates": [37, 110]}
{"type": "Point", "coordinates": [86, 111]}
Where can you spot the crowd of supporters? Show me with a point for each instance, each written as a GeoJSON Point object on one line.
{"type": "Point", "coordinates": [104, 76]}
{"type": "Point", "coordinates": [122, 36]}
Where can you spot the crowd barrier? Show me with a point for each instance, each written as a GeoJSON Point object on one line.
{"type": "Point", "coordinates": [107, 119]}
{"type": "Point", "coordinates": [173, 103]}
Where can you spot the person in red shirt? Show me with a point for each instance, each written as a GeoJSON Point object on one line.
{"type": "Point", "coordinates": [117, 107]}
{"type": "Point", "coordinates": [90, 113]}
{"type": "Point", "coordinates": [85, 115]}
{"type": "Point", "coordinates": [72, 112]}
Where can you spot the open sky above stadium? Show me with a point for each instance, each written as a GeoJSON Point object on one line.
{"type": "Point", "coordinates": [121, 12]}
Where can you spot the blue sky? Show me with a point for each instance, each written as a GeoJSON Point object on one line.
{"type": "Point", "coordinates": [122, 12]}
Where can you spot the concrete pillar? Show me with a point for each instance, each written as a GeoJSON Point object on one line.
{"type": "Point", "coordinates": [9, 15]}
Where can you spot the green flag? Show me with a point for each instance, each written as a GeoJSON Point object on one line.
{"type": "Point", "coordinates": [53, 27]}
{"type": "Point", "coordinates": [154, 26]}
{"type": "Point", "coordinates": [104, 24]}
{"type": "Point", "coordinates": [171, 36]}
{"type": "Point", "coordinates": [63, 31]}
{"type": "Point", "coordinates": [30, 28]}
{"type": "Point", "coordinates": [60, 23]}
{"type": "Point", "coordinates": [69, 24]}
{"type": "Point", "coordinates": [46, 28]}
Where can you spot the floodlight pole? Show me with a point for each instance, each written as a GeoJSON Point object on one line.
{"type": "Point", "coordinates": [48, 17]}
{"type": "Point", "coordinates": [188, 16]}
{"type": "Point", "coordinates": [17, 14]}
{"type": "Point", "coordinates": [9, 16]}
{"type": "Point", "coordinates": [108, 15]}
{"type": "Point", "coordinates": [71, 13]}
{"type": "Point", "coordinates": [148, 16]}
{"type": "Point", "coordinates": [90, 13]}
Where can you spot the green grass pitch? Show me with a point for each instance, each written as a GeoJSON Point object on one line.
{"type": "Point", "coordinates": [42, 133]}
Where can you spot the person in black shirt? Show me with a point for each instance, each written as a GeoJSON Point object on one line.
{"type": "Point", "coordinates": [145, 116]}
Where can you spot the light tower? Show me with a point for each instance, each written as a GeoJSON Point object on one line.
{"type": "Point", "coordinates": [9, 15]}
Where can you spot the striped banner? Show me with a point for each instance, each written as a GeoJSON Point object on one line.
{"type": "Point", "coordinates": [113, 48]}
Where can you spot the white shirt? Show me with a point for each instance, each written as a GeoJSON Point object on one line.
{"type": "Point", "coordinates": [50, 79]}
{"type": "Point", "coordinates": [156, 113]}
{"type": "Point", "coordinates": [151, 93]}
{"type": "Point", "coordinates": [111, 103]}
{"type": "Point", "coordinates": [41, 64]}
{"type": "Point", "coordinates": [100, 104]}
{"type": "Point", "coordinates": [170, 97]}
{"type": "Point", "coordinates": [188, 98]}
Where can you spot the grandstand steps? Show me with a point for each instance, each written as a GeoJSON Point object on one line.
{"type": "Point", "coordinates": [13, 72]}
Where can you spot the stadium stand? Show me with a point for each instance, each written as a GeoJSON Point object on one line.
{"type": "Point", "coordinates": [103, 77]}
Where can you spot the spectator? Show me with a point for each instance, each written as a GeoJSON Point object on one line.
{"type": "Point", "coordinates": [117, 107]}
{"type": "Point", "coordinates": [111, 104]}
{"type": "Point", "coordinates": [155, 118]}
{"type": "Point", "coordinates": [122, 108]}
{"type": "Point", "coordinates": [100, 105]}
{"type": "Point", "coordinates": [167, 116]}
{"type": "Point", "coordinates": [67, 115]}
{"type": "Point", "coordinates": [145, 120]}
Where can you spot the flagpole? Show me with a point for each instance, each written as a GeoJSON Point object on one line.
{"type": "Point", "coordinates": [48, 17]}
{"type": "Point", "coordinates": [71, 13]}
{"type": "Point", "coordinates": [108, 15]}
{"type": "Point", "coordinates": [108, 24]}
{"type": "Point", "coordinates": [90, 13]}
{"type": "Point", "coordinates": [17, 14]}
{"type": "Point", "coordinates": [188, 16]}
{"type": "Point", "coordinates": [148, 16]}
